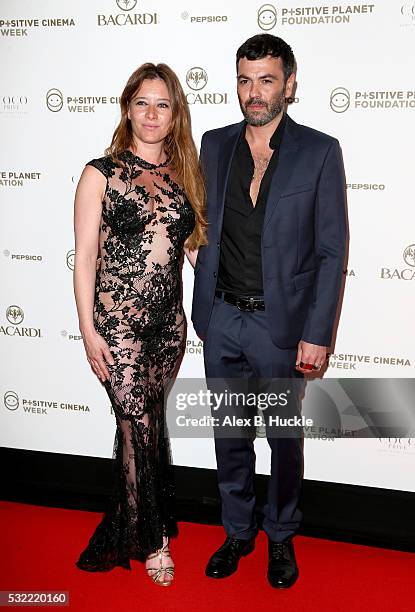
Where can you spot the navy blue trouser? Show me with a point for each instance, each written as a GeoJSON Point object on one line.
{"type": "Point", "coordinates": [238, 345]}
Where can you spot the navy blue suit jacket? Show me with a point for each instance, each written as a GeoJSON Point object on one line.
{"type": "Point", "coordinates": [303, 235]}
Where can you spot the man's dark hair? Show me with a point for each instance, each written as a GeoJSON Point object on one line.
{"type": "Point", "coordinates": [262, 45]}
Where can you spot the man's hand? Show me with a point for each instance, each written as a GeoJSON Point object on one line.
{"type": "Point", "coordinates": [310, 357]}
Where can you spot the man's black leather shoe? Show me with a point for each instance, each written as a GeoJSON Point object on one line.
{"type": "Point", "coordinates": [282, 566]}
{"type": "Point", "coordinates": [224, 561]}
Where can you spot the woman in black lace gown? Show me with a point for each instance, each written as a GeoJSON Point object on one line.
{"type": "Point", "coordinates": [135, 211]}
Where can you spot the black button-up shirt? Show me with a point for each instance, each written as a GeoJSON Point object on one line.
{"type": "Point", "coordinates": [240, 264]}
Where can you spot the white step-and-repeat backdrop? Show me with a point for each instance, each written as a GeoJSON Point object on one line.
{"type": "Point", "coordinates": [64, 64]}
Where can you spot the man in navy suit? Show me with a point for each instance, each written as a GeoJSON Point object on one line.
{"type": "Point", "coordinates": [267, 284]}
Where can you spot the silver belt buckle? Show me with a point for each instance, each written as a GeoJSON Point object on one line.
{"type": "Point", "coordinates": [249, 308]}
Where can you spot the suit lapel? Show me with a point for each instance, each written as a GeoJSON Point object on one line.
{"type": "Point", "coordinates": [286, 162]}
{"type": "Point", "coordinates": [226, 153]}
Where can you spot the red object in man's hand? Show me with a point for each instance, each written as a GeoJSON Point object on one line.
{"type": "Point", "coordinates": [306, 366]}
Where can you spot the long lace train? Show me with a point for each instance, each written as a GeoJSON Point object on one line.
{"type": "Point", "coordinates": [141, 509]}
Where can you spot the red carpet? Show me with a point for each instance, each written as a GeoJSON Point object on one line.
{"type": "Point", "coordinates": [40, 545]}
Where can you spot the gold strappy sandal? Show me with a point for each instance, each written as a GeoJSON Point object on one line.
{"type": "Point", "coordinates": [159, 571]}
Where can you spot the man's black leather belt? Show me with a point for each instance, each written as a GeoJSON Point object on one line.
{"type": "Point", "coordinates": [244, 303]}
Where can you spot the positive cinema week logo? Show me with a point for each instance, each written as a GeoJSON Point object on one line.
{"type": "Point", "coordinates": [78, 103]}
{"type": "Point", "coordinates": [12, 402]}
{"type": "Point", "coordinates": [18, 28]}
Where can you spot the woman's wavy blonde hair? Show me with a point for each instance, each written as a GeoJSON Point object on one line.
{"type": "Point", "coordinates": [178, 145]}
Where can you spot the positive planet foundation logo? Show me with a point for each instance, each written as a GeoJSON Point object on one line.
{"type": "Point", "coordinates": [341, 99]}
{"type": "Point", "coordinates": [194, 347]}
{"type": "Point", "coordinates": [310, 15]}
{"type": "Point", "coordinates": [267, 17]}
{"type": "Point", "coordinates": [17, 178]}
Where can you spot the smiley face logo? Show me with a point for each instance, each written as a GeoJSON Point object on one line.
{"type": "Point", "coordinates": [54, 100]}
{"type": "Point", "coordinates": [70, 259]}
{"type": "Point", "coordinates": [339, 100]}
{"type": "Point", "coordinates": [267, 17]}
{"type": "Point", "coordinates": [11, 400]}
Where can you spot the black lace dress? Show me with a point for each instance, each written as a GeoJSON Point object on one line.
{"type": "Point", "coordinates": [138, 310]}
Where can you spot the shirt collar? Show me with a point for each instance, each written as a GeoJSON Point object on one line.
{"type": "Point", "coordinates": [276, 138]}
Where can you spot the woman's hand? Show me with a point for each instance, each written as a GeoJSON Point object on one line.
{"type": "Point", "coordinates": [98, 354]}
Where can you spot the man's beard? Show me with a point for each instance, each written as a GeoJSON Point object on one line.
{"type": "Point", "coordinates": [272, 108]}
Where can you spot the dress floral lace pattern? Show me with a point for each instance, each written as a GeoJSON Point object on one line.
{"type": "Point", "coordinates": [138, 310]}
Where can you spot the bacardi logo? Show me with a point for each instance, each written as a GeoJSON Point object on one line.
{"type": "Point", "coordinates": [14, 315]}
{"type": "Point", "coordinates": [126, 5]}
{"type": "Point", "coordinates": [196, 78]}
{"type": "Point", "coordinates": [406, 274]}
